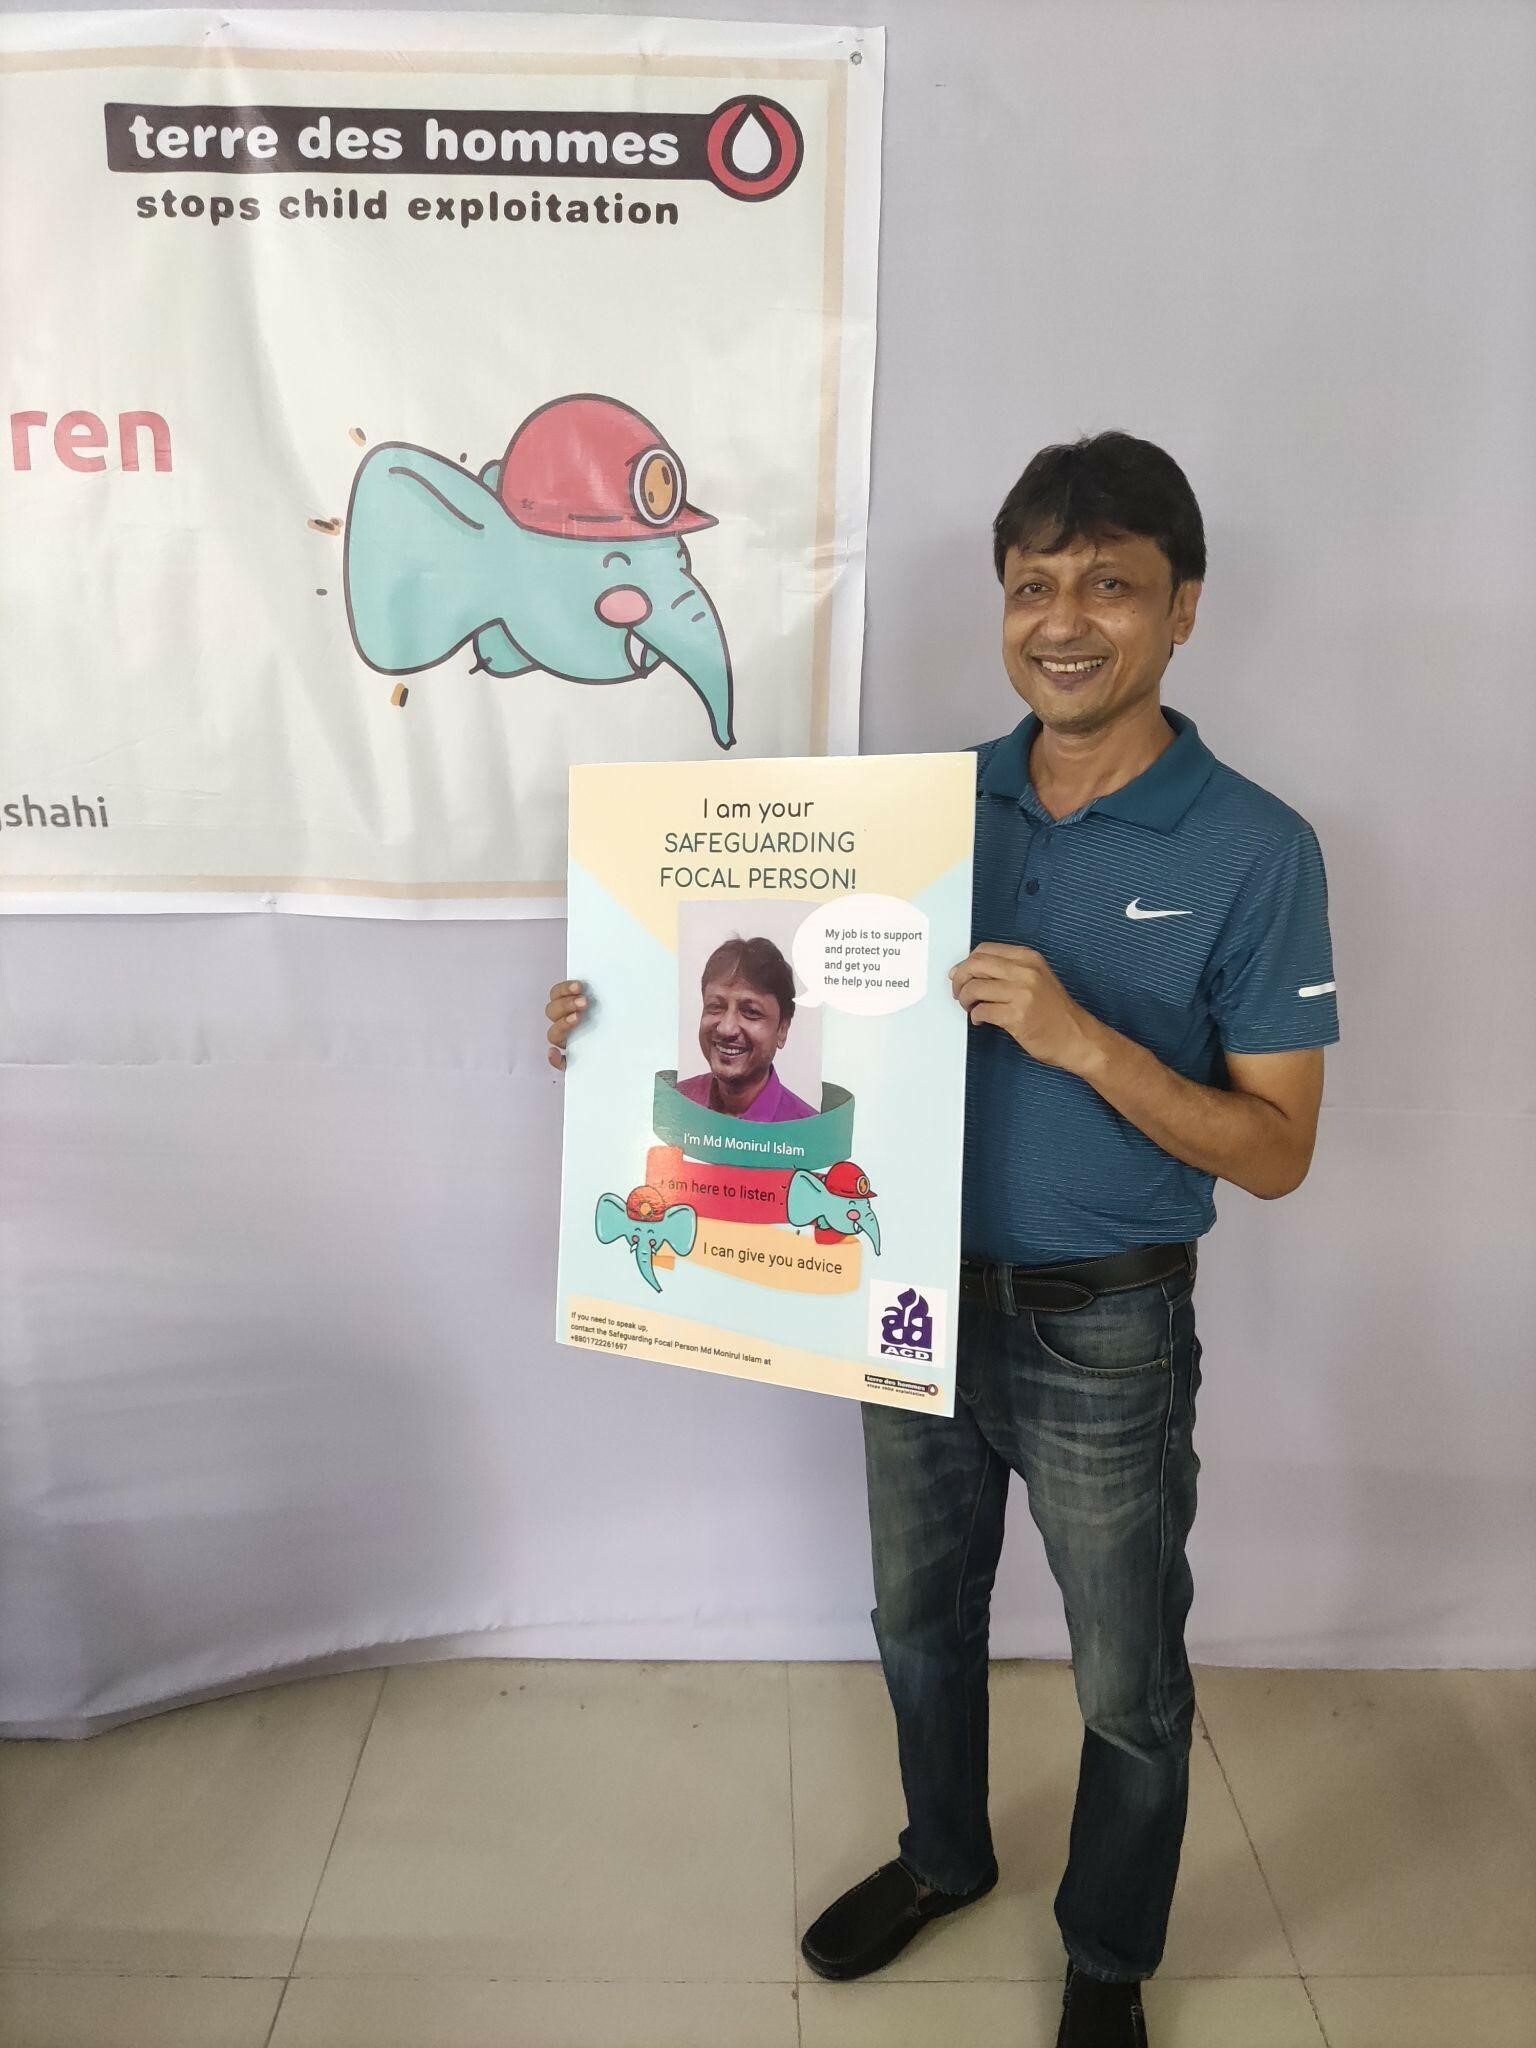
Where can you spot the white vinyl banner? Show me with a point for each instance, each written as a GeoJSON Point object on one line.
{"type": "Point", "coordinates": [401, 409]}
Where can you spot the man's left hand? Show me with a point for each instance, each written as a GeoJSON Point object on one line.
{"type": "Point", "coordinates": [1015, 989]}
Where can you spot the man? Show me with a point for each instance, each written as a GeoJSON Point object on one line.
{"type": "Point", "coordinates": [1150, 987]}
{"type": "Point", "coordinates": [748, 1005]}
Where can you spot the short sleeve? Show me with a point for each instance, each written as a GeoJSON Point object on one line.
{"type": "Point", "coordinates": [1273, 989]}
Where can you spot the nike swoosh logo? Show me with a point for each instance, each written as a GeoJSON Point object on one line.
{"type": "Point", "coordinates": [1318, 988]}
{"type": "Point", "coordinates": [1134, 910]}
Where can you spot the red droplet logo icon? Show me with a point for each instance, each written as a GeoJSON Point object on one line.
{"type": "Point", "coordinates": [754, 148]}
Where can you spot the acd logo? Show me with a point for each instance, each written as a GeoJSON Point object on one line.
{"type": "Point", "coordinates": [906, 1331]}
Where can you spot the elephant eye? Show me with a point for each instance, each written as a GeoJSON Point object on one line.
{"type": "Point", "coordinates": [616, 557]}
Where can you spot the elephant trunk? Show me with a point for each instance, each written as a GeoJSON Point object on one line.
{"type": "Point", "coordinates": [685, 630]}
{"type": "Point", "coordinates": [643, 1259]}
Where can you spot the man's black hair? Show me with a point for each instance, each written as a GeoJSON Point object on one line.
{"type": "Point", "coordinates": [757, 962]}
{"type": "Point", "coordinates": [1095, 489]}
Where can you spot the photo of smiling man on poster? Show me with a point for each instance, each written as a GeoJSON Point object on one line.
{"type": "Point", "coordinates": [747, 1005]}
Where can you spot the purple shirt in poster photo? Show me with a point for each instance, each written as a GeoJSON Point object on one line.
{"type": "Point", "coordinates": [775, 1104]}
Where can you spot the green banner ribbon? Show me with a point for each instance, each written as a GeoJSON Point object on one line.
{"type": "Point", "coordinates": [814, 1142]}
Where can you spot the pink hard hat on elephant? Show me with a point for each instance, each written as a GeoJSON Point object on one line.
{"type": "Point", "coordinates": [588, 468]}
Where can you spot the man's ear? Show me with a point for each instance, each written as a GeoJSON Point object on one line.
{"type": "Point", "coordinates": [1186, 599]}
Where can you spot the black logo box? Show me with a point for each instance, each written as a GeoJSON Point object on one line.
{"type": "Point", "coordinates": [561, 145]}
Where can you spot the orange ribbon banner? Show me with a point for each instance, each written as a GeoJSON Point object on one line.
{"type": "Point", "coordinates": [781, 1259]}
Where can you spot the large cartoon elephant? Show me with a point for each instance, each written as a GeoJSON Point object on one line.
{"type": "Point", "coordinates": [566, 555]}
{"type": "Point", "coordinates": [839, 1203]}
{"type": "Point", "coordinates": [648, 1225]}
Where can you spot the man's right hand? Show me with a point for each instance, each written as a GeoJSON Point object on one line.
{"type": "Point", "coordinates": [566, 1007]}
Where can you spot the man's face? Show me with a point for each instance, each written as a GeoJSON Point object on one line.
{"type": "Point", "coordinates": [740, 1030]}
{"type": "Point", "coordinates": [1087, 631]}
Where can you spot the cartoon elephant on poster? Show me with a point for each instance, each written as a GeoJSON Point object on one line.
{"type": "Point", "coordinates": [839, 1202]}
{"type": "Point", "coordinates": [648, 1224]}
{"type": "Point", "coordinates": [568, 554]}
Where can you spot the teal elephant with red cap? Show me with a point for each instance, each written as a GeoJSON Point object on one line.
{"type": "Point", "coordinates": [568, 554]}
{"type": "Point", "coordinates": [648, 1224]}
{"type": "Point", "coordinates": [839, 1202]}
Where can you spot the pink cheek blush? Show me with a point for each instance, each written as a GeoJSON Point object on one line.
{"type": "Point", "coordinates": [625, 606]}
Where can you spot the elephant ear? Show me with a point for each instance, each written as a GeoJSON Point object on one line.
{"type": "Point", "coordinates": [806, 1200]}
{"type": "Point", "coordinates": [430, 556]}
{"type": "Point", "coordinates": [679, 1228]}
{"type": "Point", "coordinates": [612, 1220]}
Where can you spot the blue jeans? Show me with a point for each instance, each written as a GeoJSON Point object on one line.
{"type": "Point", "coordinates": [1095, 1410]}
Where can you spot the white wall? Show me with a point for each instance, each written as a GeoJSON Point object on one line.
{"type": "Point", "coordinates": [276, 1197]}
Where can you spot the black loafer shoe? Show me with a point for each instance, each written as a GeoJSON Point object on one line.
{"type": "Point", "coordinates": [1099, 2015]}
{"type": "Point", "coordinates": [866, 1927]}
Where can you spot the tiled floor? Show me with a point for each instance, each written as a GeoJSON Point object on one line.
{"type": "Point", "coordinates": [498, 1855]}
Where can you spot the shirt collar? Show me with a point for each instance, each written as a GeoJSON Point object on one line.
{"type": "Point", "coordinates": [1158, 797]}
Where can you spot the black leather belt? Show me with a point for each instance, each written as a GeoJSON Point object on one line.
{"type": "Point", "coordinates": [1058, 1290]}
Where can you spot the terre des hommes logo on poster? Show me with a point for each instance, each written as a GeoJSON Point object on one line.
{"type": "Point", "coordinates": [748, 148]}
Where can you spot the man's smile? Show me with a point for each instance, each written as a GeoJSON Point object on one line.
{"type": "Point", "coordinates": [1081, 665]}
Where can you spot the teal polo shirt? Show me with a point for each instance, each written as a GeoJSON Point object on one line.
{"type": "Point", "coordinates": [1189, 911]}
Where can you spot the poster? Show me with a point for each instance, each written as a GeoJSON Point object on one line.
{"type": "Point", "coordinates": [764, 1104]}
{"type": "Point", "coordinates": [403, 408]}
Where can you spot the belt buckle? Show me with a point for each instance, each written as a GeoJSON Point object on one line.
{"type": "Point", "coordinates": [997, 1290]}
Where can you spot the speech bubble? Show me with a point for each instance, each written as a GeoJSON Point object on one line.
{"type": "Point", "coordinates": [865, 954]}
